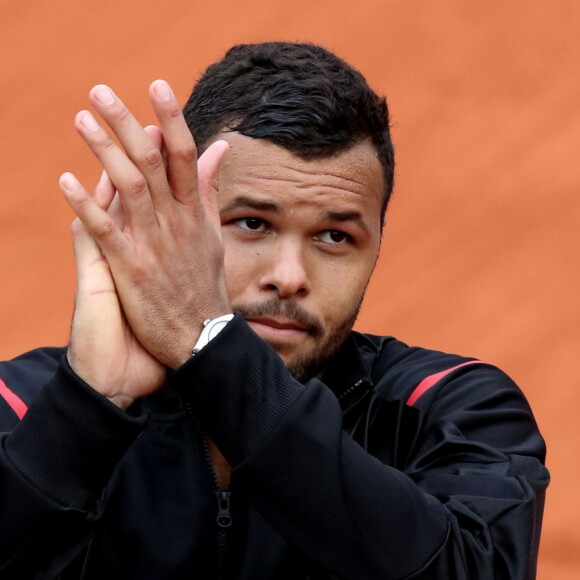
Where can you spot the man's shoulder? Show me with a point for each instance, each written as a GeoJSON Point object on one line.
{"type": "Point", "coordinates": [24, 376]}
{"type": "Point", "coordinates": [414, 373]}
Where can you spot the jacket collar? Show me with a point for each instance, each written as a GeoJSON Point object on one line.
{"type": "Point", "coordinates": [348, 372]}
{"type": "Point", "coordinates": [351, 366]}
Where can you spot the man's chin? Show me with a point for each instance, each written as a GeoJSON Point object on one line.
{"type": "Point", "coordinates": [305, 353]}
{"type": "Point", "coordinates": [309, 359]}
{"type": "Point", "coordinates": [294, 361]}
{"type": "Point", "coordinates": [302, 365]}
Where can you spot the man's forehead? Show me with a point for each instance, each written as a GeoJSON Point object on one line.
{"type": "Point", "coordinates": [354, 171]}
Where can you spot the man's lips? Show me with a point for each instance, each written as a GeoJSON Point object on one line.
{"type": "Point", "coordinates": [278, 329]}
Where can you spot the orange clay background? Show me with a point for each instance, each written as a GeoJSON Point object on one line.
{"type": "Point", "coordinates": [481, 254]}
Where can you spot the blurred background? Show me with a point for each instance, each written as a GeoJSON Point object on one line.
{"type": "Point", "coordinates": [481, 253]}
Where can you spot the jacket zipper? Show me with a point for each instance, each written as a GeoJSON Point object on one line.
{"type": "Point", "coordinates": [224, 516]}
{"type": "Point", "coordinates": [350, 389]}
{"type": "Point", "coordinates": [224, 521]}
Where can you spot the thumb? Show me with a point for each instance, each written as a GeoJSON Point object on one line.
{"type": "Point", "coordinates": [208, 167]}
{"type": "Point", "coordinates": [93, 274]}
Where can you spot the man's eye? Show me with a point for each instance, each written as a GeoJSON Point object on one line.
{"type": "Point", "coordinates": [333, 237]}
{"type": "Point", "coordinates": [252, 224]}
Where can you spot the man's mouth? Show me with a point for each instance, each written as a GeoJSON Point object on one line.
{"type": "Point", "coordinates": [281, 323]}
{"type": "Point", "coordinates": [278, 329]}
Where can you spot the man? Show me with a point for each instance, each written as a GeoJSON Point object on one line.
{"type": "Point", "coordinates": [214, 416]}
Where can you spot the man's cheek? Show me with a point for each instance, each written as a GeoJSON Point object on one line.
{"type": "Point", "coordinates": [335, 308]}
{"type": "Point", "coordinates": [236, 282]}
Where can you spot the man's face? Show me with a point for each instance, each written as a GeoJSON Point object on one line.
{"type": "Point", "coordinates": [301, 239]}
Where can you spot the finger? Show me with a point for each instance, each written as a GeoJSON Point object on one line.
{"type": "Point", "coordinates": [156, 136]}
{"type": "Point", "coordinates": [98, 223]}
{"type": "Point", "coordinates": [107, 197]}
{"type": "Point", "coordinates": [137, 144]}
{"type": "Point", "coordinates": [117, 213]}
{"type": "Point", "coordinates": [115, 208]}
{"type": "Point", "coordinates": [104, 191]}
{"type": "Point", "coordinates": [128, 180]}
{"type": "Point", "coordinates": [154, 133]}
{"type": "Point", "coordinates": [181, 149]}
{"type": "Point", "coordinates": [208, 170]}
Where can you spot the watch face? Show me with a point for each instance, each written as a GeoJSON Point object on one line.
{"type": "Point", "coordinates": [211, 328]}
{"type": "Point", "coordinates": [215, 329]}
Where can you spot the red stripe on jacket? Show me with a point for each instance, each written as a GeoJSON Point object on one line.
{"type": "Point", "coordinates": [13, 400]}
{"type": "Point", "coordinates": [432, 380]}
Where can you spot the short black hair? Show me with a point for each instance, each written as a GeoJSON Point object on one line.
{"type": "Point", "coordinates": [299, 96]}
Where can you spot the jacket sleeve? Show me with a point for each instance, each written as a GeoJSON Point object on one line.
{"type": "Point", "coordinates": [54, 465]}
{"type": "Point", "coordinates": [468, 504]}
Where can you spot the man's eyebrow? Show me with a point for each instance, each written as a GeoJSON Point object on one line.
{"type": "Point", "coordinates": [248, 202]}
{"type": "Point", "coordinates": [347, 216]}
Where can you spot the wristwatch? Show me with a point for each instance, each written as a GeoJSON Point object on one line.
{"type": "Point", "coordinates": [211, 328]}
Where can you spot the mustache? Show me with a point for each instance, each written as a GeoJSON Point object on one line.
{"type": "Point", "coordinates": [290, 310]}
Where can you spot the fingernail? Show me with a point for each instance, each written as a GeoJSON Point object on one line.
{"type": "Point", "coordinates": [163, 90]}
{"type": "Point", "coordinates": [104, 95]}
{"type": "Point", "coordinates": [88, 122]}
{"type": "Point", "coordinates": [68, 182]}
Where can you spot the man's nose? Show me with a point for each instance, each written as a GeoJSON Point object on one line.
{"type": "Point", "coordinates": [285, 271]}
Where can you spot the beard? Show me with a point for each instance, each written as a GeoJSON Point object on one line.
{"type": "Point", "coordinates": [304, 366]}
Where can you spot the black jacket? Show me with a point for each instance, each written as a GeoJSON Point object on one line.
{"type": "Point", "coordinates": [400, 463]}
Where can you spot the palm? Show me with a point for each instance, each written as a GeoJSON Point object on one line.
{"type": "Point", "coordinates": [103, 349]}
